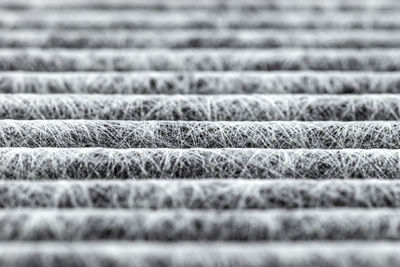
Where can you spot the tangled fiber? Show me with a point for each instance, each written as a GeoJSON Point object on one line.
{"type": "Point", "coordinates": [201, 194]}
{"type": "Point", "coordinates": [196, 19]}
{"type": "Point", "coordinates": [101, 163]}
{"type": "Point", "coordinates": [57, 60]}
{"type": "Point", "coordinates": [204, 134]}
{"type": "Point", "coordinates": [71, 20]}
{"type": "Point", "coordinates": [201, 107]}
{"type": "Point", "coordinates": [181, 39]}
{"type": "Point", "coordinates": [177, 133]}
{"type": "Point", "coordinates": [337, 224]}
{"type": "Point", "coordinates": [210, 83]}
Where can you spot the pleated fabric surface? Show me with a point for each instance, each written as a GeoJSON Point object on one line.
{"type": "Point", "coordinates": [210, 133]}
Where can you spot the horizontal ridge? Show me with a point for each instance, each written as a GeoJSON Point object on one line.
{"type": "Point", "coordinates": [212, 83]}
{"type": "Point", "coordinates": [200, 60]}
{"type": "Point", "coordinates": [102, 163]}
{"type": "Point", "coordinates": [201, 254]}
{"type": "Point", "coordinates": [181, 39]}
{"type": "Point", "coordinates": [201, 107]}
{"type": "Point", "coordinates": [158, 5]}
{"type": "Point", "coordinates": [205, 134]}
{"type": "Point", "coordinates": [66, 225]}
{"type": "Point", "coordinates": [200, 194]}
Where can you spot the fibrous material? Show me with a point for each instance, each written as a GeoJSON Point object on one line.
{"type": "Point", "coordinates": [201, 194]}
{"type": "Point", "coordinates": [177, 133]}
{"type": "Point", "coordinates": [58, 60]}
{"type": "Point", "coordinates": [183, 254]}
{"type": "Point", "coordinates": [205, 83]}
{"type": "Point", "coordinates": [183, 225]}
{"type": "Point", "coordinates": [241, 107]}
{"type": "Point", "coordinates": [101, 163]}
{"type": "Point", "coordinates": [203, 134]}
{"type": "Point", "coordinates": [194, 38]}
